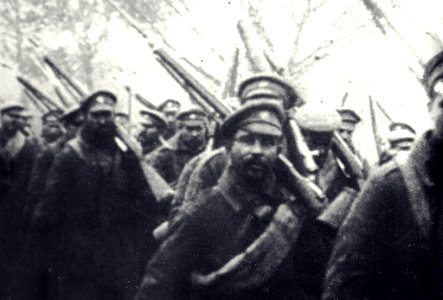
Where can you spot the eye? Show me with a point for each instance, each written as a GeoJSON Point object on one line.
{"type": "Point", "coordinates": [246, 139]}
{"type": "Point", "coordinates": [268, 141]}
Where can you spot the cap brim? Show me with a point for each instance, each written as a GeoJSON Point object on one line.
{"type": "Point", "coordinates": [101, 107]}
{"type": "Point", "coordinates": [262, 128]}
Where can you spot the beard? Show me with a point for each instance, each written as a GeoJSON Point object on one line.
{"type": "Point", "coordinates": [100, 136]}
{"type": "Point", "coordinates": [193, 142]}
{"type": "Point", "coordinates": [51, 134]}
{"type": "Point", "coordinates": [253, 168]}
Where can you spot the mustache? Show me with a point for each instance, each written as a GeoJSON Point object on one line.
{"type": "Point", "coordinates": [255, 159]}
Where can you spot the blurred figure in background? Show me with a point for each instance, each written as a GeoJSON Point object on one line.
{"type": "Point", "coordinates": [401, 138]}
{"type": "Point", "coordinates": [170, 109]}
{"type": "Point", "coordinates": [153, 126]}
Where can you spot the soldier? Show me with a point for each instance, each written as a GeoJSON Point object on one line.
{"type": "Point", "coordinates": [17, 155]}
{"type": "Point", "coordinates": [32, 276]}
{"type": "Point", "coordinates": [98, 210]}
{"type": "Point", "coordinates": [191, 140]}
{"type": "Point", "coordinates": [390, 245]}
{"type": "Point", "coordinates": [151, 135]}
{"type": "Point", "coordinates": [237, 241]}
{"type": "Point", "coordinates": [72, 119]}
{"type": "Point", "coordinates": [204, 170]}
{"type": "Point", "coordinates": [51, 127]}
{"type": "Point", "coordinates": [401, 138]}
{"type": "Point", "coordinates": [318, 124]}
{"type": "Point", "coordinates": [170, 108]}
{"type": "Point", "coordinates": [349, 121]}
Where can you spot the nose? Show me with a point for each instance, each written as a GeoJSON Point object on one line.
{"type": "Point", "coordinates": [256, 147]}
{"type": "Point", "coordinates": [102, 119]}
{"type": "Point", "coordinates": [195, 133]}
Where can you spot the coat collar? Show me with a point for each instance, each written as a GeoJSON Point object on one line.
{"type": "Point", "coordinates": [425, 157]}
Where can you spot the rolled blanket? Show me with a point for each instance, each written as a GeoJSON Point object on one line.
{"type": "Point", "coordinates": [260, 260]}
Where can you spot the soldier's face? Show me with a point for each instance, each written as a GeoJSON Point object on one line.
{"type": "Point", "coordinates": [346, 135]}
{"type": "Point", "coordinates": [435, 108]}
{"type": "Point", "coordinates": [52, 129]}
{"type": "Point", "coordinates": [101, 122]}
{"type": "Point", "coordinates": [193, 134]}
{"type": "Point", "coordinates": [319, 143]}
{"type": "Point", "coordinates": [170, 114]}
{"type": "Point", "coordinates": [12, 120]}
{"type": "Point", "coordinates": [148, 134]}
{"type": "Point", "coordinates": [253, 155]}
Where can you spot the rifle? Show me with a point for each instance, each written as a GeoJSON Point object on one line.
{"type": "Point", "coordinates": [203, 97]}
{"type": "Point", "coordinates": [40, 105]}
{"type": "Point", "coordinates": [160, 189]}
{"type": "Point", "coordinates": [351, 162]}
{"type": "Point", "coordinates": [46, 100]}
{"type": "Point", "coordinates": [144, 101]}
{"type": "Point", "coordinates": [374, 127]}
{"type": "Point", "coordinates": [77, 88]}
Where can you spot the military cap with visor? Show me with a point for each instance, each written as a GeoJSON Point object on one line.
{"type": "Point", "coordinates": [99, 101]}
{"type": "Point", "coordinates": [152, 117]}
{"type": "Point", "coordinates": [317, 118]}
{"type": "Point", "coordinates": [52, 115]}
{"type": "Point", "coordinates": [168, 103]}
{"type": "Point", "coordinates": [192, 116]}
{"type": "Point", "coordinates": [11, 105]}
{"type": "Point", "coordinates": [349, 118]}
{"type": "Point", "coordinates": [401, 132]}
{"type": "Point", "coordinates": [264, 117]}
{"type": "Point", "coordinates": [268, 86]}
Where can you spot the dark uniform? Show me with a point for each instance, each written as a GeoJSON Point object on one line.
{"type": "Point", "coordinates": [17, 154]}
{"type": "Point", "coordinates": [32, 277]}
{"type": "Point", "coordinates": [390, 245]}
{"type": "Point", "coordinates": [169, 160]}
{"type": "Point", "coordinates": [98, 211]}
{"type": "Point", "coordinates": [234, 243]}
{"type": "Point", "coordinates": [204, 170]}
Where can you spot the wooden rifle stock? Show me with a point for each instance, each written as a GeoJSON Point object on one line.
{"type": "Point", "coordinates": [298, 152]}
{"type": "Point", "coordinates": [161, 190]}
{"type": "Point", "coordinates": [351, 162]}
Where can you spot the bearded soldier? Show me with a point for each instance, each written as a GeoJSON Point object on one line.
{"type": "Point", "coordinates": [236, 243]}
{"type": "Point", "coordinates": [51, 127]}
{"type": "Point", "coordinates": [98, 210]}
